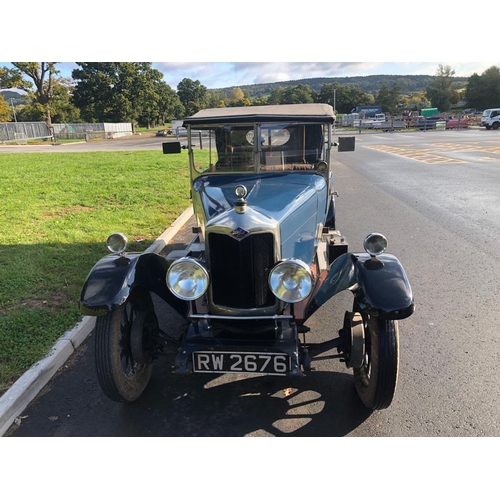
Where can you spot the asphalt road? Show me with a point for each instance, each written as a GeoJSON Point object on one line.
{"type": "Point", "coordinates": [436, 196]}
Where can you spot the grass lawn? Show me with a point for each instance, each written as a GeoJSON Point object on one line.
{"type": "Point", "coordinates": [56, 212]}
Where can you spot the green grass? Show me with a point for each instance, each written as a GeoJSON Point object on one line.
{"type": "Point", "coordinates": [56, 212]}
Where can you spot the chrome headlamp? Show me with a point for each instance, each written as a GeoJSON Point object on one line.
{"type": "Point", "coordinates": [117, 243]}
{"type": "Point", "coordinates": [291, 280]}
{"type": "Point", "coordinates": [375, 244]}
{"type": "Point", "coordinates": [187, 279]}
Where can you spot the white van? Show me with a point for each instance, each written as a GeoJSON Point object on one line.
{"type": "Point", "coordinates": [491, 118]}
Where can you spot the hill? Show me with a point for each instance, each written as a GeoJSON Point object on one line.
{"type": "Point", "coordinates": [370, 84]}
{"type": "Point", "coordinates": [12, 94]}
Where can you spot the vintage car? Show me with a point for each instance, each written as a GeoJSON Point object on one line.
{"type": "Point", "coordinates": [266, 254]}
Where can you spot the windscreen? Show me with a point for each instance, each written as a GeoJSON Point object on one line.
{"type": "Point", "coordinates": [280, 146]}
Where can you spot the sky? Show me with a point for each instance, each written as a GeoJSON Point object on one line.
{"type": "Point", "coordinates": [231, 74]}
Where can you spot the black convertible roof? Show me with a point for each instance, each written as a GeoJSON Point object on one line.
{"type": "Point", "coordinates": [279, 113]}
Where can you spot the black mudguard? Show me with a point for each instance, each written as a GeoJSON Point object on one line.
{"type": "Point", "coordinates": [111, 280]}
{"type": "Point", "coordinates": [380, 285]}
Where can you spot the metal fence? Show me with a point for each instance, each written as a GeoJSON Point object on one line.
{"type": "Point", "coordinates": [89, 131]}
{"type": "Point", "coordinates": [21, 132]}
{"type": "Point", "coordinates": [64, 131]}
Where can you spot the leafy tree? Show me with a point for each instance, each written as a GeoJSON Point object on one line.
{"type": "Point", "coordinates": [237, 94]}
{"type": "Point", "coordinates": [260, 101]}
{"type": "Point", "coordinates": [483, 91]}
{"type": "Point", "coordinates": [5, 111]}
{"type": "Point", "coordinates": [170, 105]}
{"type": "Point", "coordinates": [216, 99]}
{"type": "Point", "coordinates": [238, 98]}
{"type": "Point", "coordinates": [276, 95]}
{"type": "Point", "coordinates": [11, 78]}
{"type": "Point", "coordinates": [440, 91]}
{"type": "Point", "coordinates": [292, 94]}
{"type": "Point", "coordinates": [157, 101]}
{"type": "Point", "coordinates": [387, 98]}
{"type": "Point", "coordinates": [62, 109]}
{"type": "Point", "coordinates": [193, 95]}
{"type": "Point", "coordinates": [331, 93]}
{"type": "Point", "coordinates": [346, 97]}
{"type": "Point", "coordinates": [123, 92]}
{"type": "Point", "coordinates": [297, 95]}
{"type": "Point", "coordinates": [43, 76]}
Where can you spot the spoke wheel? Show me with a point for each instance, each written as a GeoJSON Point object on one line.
{"type": "Point", "coordinates": [376, 378]}
{"type": "Point", "coordinates": [121, 376]}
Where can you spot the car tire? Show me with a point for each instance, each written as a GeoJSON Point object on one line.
{"type": "Point", "coordinates": [122, 378]}
{"type": "Point", "coordinates": [495, 126]}
{"type": "Point", "coordinates": [376, 379]}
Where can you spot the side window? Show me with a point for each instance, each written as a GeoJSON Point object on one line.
{"type": "Point", "coordinates": [495, 113]}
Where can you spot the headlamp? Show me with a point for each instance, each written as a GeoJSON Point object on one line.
{"type": "Point", "coordinates": [187, 279]}
{"type": "Point", "coordinates": [117, 243]}
{"type": "Point", "coordinates": [291, 280]}
{"type": "Point", "coordinates": [375, 244]}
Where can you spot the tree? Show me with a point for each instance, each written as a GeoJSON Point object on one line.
{"type": "Point", "coordinates": [297, 94]}
{"type": "Point", "coordinates": [276, 95]}
{"type": "Point", "coordinates": [170, 105]}
{"type": "Point", "coordinates": [5, 111]}
{"type": "Point", "coordinates": [483, 91]}
{"type": "Point", "coordinates": [123, 92]}
{"type": "Point", "coordinates": [216, 99]}
{"type": "Point", "coordinates": [346, 97]}
{"type": "Point", "coordinates": [193, 95]}
{"type": "Point", "coordinates": [260, 101]}
{"type": "Point", "coordinates": [330, 93]}
{"type": "Point", "coordinates": [157, 101]}
{"type": "Point", "coordinates": [43, 76]}
{"type": "Point", "coordinates": [11, 78]}
{"type": "Point", "coordinates": [387, 98]}
{"type": "Point", "coordinates": [61, 108]}
{"type": "Point", "coordinates": [238, 98]}
{"type": "Point", "coordinates": [440, 91]}
{"type": "Point", "coordinates": [417, 101]}
{"type": "Point", "coordinates": [292, 94]}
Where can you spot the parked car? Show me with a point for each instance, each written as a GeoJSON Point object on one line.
{"type": "Point", "coordinates": [266, 255]}
{"type": "Point", "coordinates": [470, 111]}
{"type": "Point", "coordinates": [457, 123]}
{"type": "Point", "coordinates": [491, 118]}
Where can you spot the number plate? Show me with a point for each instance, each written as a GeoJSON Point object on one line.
{"type": "Point", "coordinates": [238, 362]}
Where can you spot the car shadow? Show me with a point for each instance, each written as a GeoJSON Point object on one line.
{"type": "Point", "coordinates": [323, 403]}
{"type": "Point", "coordinates": [320, 404]}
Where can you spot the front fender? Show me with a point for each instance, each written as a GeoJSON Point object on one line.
{"type": "Point", "coordinates": [111, 280]}
{"type": "Point", "coordinates": [380, 285]}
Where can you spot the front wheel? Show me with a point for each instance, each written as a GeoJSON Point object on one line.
{"type": "Point", "coordinates": [122, 338]}
{"type": "Point", "coordinates": [377, 376]}
{"type": "Point", "coordinates": [495, 125]}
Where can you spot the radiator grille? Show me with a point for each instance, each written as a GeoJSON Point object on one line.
{"type": "Point", "coordinates": [240, 270]}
